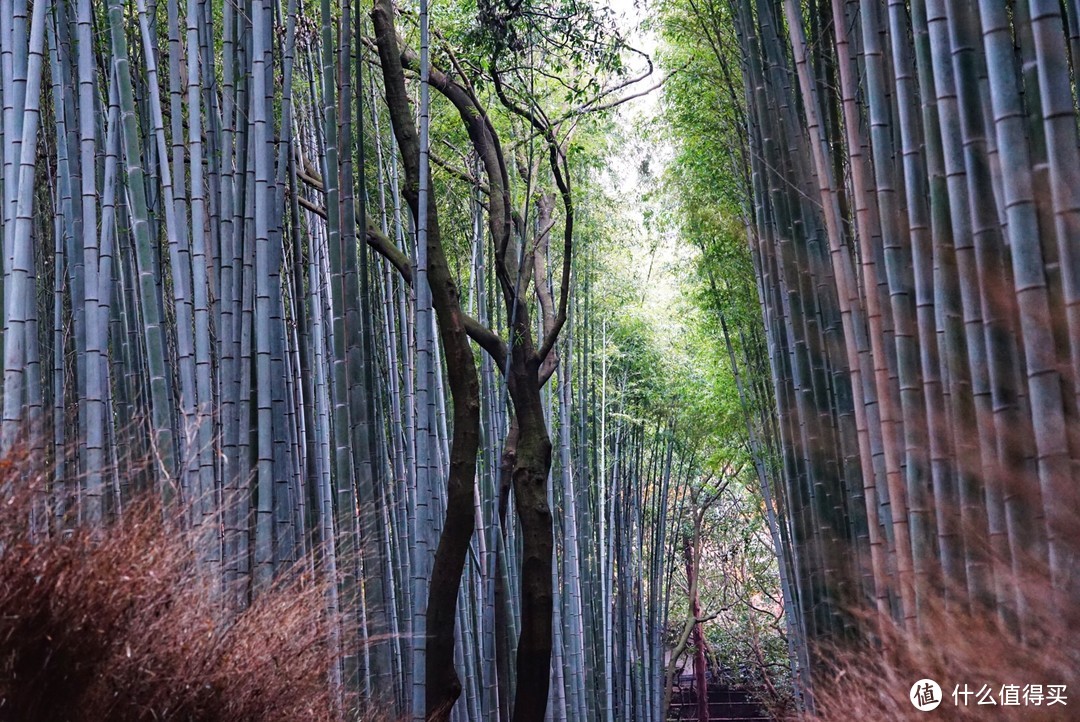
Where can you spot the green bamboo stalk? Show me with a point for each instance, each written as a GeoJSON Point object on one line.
{"type": "Point", "coordinates": [1032, 297]}
{"type": "Point", "coordinates": [96, 322]}
{"type": "Point", "coordinates": [205, 493]}
{"type": "Point", "coordinates": [1059, 123]}
{"type": "Point", "coordinates": [20, 292]}
{"type": "Point", "coordinates": [148, 283]}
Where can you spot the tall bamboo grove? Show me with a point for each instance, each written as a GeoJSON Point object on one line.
{"type": "Point", "coordinates": [911, 204]}
{"type": "Point", "coordinates": [242, 271]}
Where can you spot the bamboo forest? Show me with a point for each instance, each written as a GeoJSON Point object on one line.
{"type": "Point", "coordinates": [540, 360]}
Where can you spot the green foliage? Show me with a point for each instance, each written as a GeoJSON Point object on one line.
{"type": "Point", "coordinates": [667, 360]}
{"type": "Point", "coordinates": [576, 33]}
{"type": "Point", "coordinates": [705, 185]}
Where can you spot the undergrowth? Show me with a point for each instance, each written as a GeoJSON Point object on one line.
{"type": "Point", "coordinates": [974, 652]}
{"type": "Point", "coordinates": [120, 623]}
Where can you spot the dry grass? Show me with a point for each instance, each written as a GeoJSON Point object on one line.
{"type": "Point", "coordinates": [961, 649]}
{"type": "Point", "coordinates": [956, 649]}
{"type": "Point", "coordinates": [121, 625]}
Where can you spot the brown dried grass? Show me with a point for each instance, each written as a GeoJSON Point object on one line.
{"type": "Point", "coordinates": [954, 649]}
{"type": "Point", "coordinates": [121, 625]}
{"type": "Point", "coordinates": [961, 647]}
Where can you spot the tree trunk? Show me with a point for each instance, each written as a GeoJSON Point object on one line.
{"type": "Point", "coordinates": [530, 475]}
{"type": "Point", "coordinates": [442, 684]}
{"type": "Point", "coordinates": [701, 687]}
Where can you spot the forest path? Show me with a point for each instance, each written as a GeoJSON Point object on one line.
{"type": "Point", "coordinates": [726, 704]}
